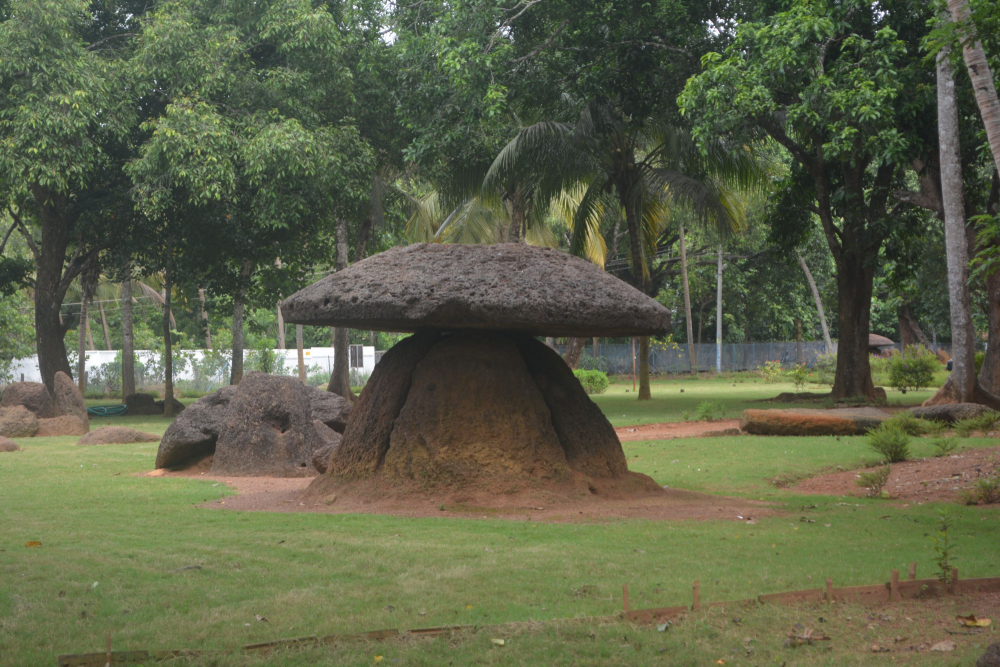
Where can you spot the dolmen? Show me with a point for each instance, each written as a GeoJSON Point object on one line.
{"type": "Point", "coordinates": [472, 400]}
{"type": "Point", "coordinates": [268, 425]}
{"type": "Point", "coordinates": [28, 410]}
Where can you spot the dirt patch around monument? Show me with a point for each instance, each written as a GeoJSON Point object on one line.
{"type": "Point", "coordinates": [939, 479]}
{"type": "Point", "coordinates": [274, 494]}
{"type": "Point", "coordinates": [672, 430]}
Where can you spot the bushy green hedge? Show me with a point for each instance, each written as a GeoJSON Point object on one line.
{"type": "Point", "coordinates": [594, 382]}
{"type": "Point", "coordinates": [913, 368]}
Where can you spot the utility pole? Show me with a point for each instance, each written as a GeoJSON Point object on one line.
{"type": "Point", "coordinates": [718, 314]}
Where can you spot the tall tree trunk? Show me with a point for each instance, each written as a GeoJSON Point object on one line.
{"type": "Point", "coordinates": [855, 277]}
{"type": "Point", "coordinates": [687, 301]}
{"type": "Point", "coordinates": [961, 385]}
{"type": "Point", "coordinates": [718, 314]}
{"type": "Point", "coordinates": [640, 272]}
{"type": "Point", "coordinates": [281, 329]}
{"type": "Point", "coordinates": [128, 345]}
{"type": "Point", "coordinates": [104, 325]}
{"type": "Point", "coordinates": [90, 335]}
{"type": "Point", "coordinates": [910, 332]}
{"type": "Point", "coordinates": [516, 210]}
{"type": "Point", "coordinates": [168, 350]}
{"type": "Point", "coordinates": [236, 365]}
{"type": "Point", "coordinates": [596, 349]}
{"type": "Point", "coordinates": [574, 347]}
{"type": "Point", "coordinates": [49, 293]}
{"type": "Point", "coordinates": [204, 316]}
{"type": "Point", "coordinates": [340, 378]}
{"type": "Point", "coordinates": [81, 348]}
{"type": "Point", "coordinates": [989, 375]}
{"type": "Point", "coordinates": [819, 301]}
{"type": "Point", "coordinates": [301, 353]}
{"type": "Point", "coordinates": [981, 76]}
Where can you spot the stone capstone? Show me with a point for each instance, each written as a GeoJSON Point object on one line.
{"type": "Point", "coordinates": [32, 395]}
{"type": "Point", "coordinates": [18, 422]}
{"type": "Point", "coordinates": [8, 445]}
{"type": "Point", "coordinates": [116, 435]}
{"type": "Point", "coordinates": [69, 400]}
{"type": "Point", "coordinates": [840, 421]}
{"type": "Point", "coordinates": [140, 404]}
{"type": "Point", "coordinates": [950, 412]}
{"type": "Point", "coordinates": [161, 405]}
{"type": "Point", "coordinates": [509, 287]}
{"type": "Point", "coordinates": [266, 425]}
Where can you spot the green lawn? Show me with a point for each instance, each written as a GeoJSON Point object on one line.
{"type": "Point", "coordinates": [115, 545]}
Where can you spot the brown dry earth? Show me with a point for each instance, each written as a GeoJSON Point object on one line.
{"type": "Point", "coordinates": [273, 494]}
{"type": "Point", "coordinates": [934, 479]}
{"type": "Point", "coordinates": [671, 430]}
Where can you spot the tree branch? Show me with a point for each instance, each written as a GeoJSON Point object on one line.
{"type": "Point", "coordinates": [7, 236]}
{"type": "Point", "coordinates": [24, 232]}
{"type": "Point", "coordinates": [546, 43]}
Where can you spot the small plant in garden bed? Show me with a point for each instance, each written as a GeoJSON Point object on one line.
{"type": "Point", "coordinates": [913, 368]}
{"type": "Point", "coordinates": [944, 546]}
{"type": "Point", "coordinates": [874, 480]}
{"type": "Point", "coordinates": [891, 442]}
{"type": "Point", "coordinates": [710, 411]}
{"type": "Point", "coordinates": [771, 371]}
{"type": "Point", "coordinates": [965, 427]}
{"type": "Point", "coordinates": [986, 491]}
{"type": "Point", "coordinates": [944, 446]}
{"type": "Point", "coordinates": [799, 375]}
{"type": "Point", "coordinates": [594, 382]}
{"type": "Point", "coordinates": [906, 422]}
{"type": "Point", "coordinates": [934, 426]}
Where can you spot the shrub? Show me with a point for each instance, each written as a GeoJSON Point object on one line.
{"type": "Point", "coordinates": [771, 371]}
{"type": "Point", "coordinates": [913, 368]}
{"type": "Point", "coordinates": [986, 421]}
{"type": "Point", "coordinates": [934, 426]}
{"type": "Point", "coordinates": [986, 491]}
{"type": "Point", "coordinates": [944, 446]}
{"type": "Point", "coordinates": [594, 382]}
{"type": "Point", "coordinates": [874, 480]}
{"type": "Point", "coordinates": [891, 442]}
{"type": "Point", "coordinates": [825, 368]}
{"type": "Point", "coordinates": [710, 411]}
{"type": "Point", "coordinates": [906, 422]}
{"type": "Point", "coordinates": [799, 375]}
{"type": "Point", "coordinates": [965, 427]}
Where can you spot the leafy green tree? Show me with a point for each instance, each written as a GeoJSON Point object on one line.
{"type": "Point", "coordinates": [15, 322]}
{"type": "Point", "coordinates": [844, 89]}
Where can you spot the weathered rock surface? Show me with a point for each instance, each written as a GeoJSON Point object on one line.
{"type": "Point", "coordinates": [454, 432]}
{"type": "Point", "coordinates": [32, 395]}
{"type": "Point", "coordinates": [195, 431]}
{"type": "Point", "coordinates": [477, 410]}
{"type": "Point", "coordinates": [267, 425]}
{"type": "Point", "coordinates": [161, 406]}
{"type": "Point", "coordinates": [950, 412]}
{"type": "Point", "coordinates": [329, 408]}
{"type": "Point", "coordinates": [321, 459]}
{"type": "Point", "coordinates": [269, 430]}
{"type": "Point", "coordinates": [18, 422]}
{"type": "Point", "coordinates": [116, 435]}
{"type": "Point", "coordinates": [841, 421]}
{"type": "Point", "coordinates": [61, 425]}
{"type": "Point", "coordinates": [69, 400]}
{"type": "Point", "coordinates": [587, 437]}
{"type": "Point", "coordinates": [8, 445]}
{"type": "Point", "coordinates": [991, 658]}
{"type": "Point", "coordinates": [140, 404]}
{"type": "Point", "coordinates": [511, 287]}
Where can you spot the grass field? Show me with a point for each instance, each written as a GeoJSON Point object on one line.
{"type": "Point", "coordinates": [119, 553]}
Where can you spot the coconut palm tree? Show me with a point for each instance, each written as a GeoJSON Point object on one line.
{"type": "Point", "coordinates": [632, 165]}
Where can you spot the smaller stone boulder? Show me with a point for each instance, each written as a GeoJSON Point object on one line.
{"type": "Point", "coordinates": [116, 435]}
{"type": "Point", "coordinates": [329, 408]}
{"type": "Point", "coordinates": [991, 658]}
{"type": "Point", "coordinates": [140, 404]}
{"type": "Point", "coordinates": [32, 395]}
{"type": "Point", "coordinates": [321, 459]}
{"type": "Point", "coordinates": [18, 422]}
{"type": "Point", "coordinates": [161, 406]}
{"type": "Point", "coordinates": [843, 421]}
{"type": "Point", "coordinates": [63, 425]}
{"type": "Point", "coordinates": [8, 445]}
{"type": "Point", "coordinates": [326, 433]}
{"type": "Point", "coordinates": [950, 412]}
{"type": "Point", "coordinates": [195, 431]}
{"type": "Point", "coordinates": [69, 400]}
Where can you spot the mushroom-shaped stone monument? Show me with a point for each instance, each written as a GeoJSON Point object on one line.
{"type": "Point", "coordinates": [472, 400]}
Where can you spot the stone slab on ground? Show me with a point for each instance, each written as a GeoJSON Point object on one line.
{"type": "Point", "coordinates": [140, 404]}
{"type": "Point", "coordinates": [116, 435]}
{"type": "Point", "coordinates": [8, 445]}
{"type": "Point", "coordinates": [32, 395]}
{"type": "Point", "coordinates": [950, 412]}
{"type": "Point", "coordinates": [18, 422]}
{"type": "Point", "coordinates": [803, 421]}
